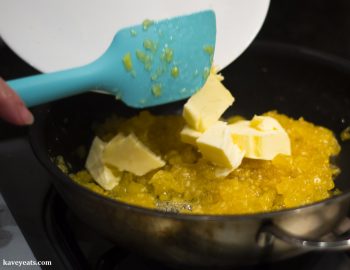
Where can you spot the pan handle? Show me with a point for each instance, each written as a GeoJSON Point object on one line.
{"type": "Point", "coordinates": [269, 232]}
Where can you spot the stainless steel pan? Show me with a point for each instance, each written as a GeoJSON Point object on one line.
{"type": "Point", "coordinates": [292, 80]}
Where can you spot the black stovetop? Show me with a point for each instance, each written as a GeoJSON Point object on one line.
{"type": "Point", "coordinates": [54, 234]}
{"type": "Point", "coordinates": [49, 227]}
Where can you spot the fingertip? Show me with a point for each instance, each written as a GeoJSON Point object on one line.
{"type": "Point", "coordinates": [12, 108]}
{"type": "Point", "coordinates": [26, 116]}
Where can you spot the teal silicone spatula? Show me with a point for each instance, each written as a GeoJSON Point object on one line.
{"type": "Point", "coordinates": [146, 65]}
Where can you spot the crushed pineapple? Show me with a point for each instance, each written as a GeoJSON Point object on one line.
{"type": "Point", "coordinates": [189, 181]}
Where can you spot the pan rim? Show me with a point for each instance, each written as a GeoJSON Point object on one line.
{"type": "Point", "coordinates": [36, 135]}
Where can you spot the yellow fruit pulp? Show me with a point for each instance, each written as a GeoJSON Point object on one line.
{"type": "Point", "coordinates": [188, 183]}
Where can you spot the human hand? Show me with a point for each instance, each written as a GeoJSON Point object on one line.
{"type": "Point", "coordinates": [12, 108]}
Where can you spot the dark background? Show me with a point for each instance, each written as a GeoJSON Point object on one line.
{"type": "Point", "coordinates": [322, 25]}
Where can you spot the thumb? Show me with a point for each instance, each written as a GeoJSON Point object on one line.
{"type": "Point", "coordinates": [12, 108]}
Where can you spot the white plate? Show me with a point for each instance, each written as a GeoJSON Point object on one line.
{"type": "Point", "coordinates": [53, 35]}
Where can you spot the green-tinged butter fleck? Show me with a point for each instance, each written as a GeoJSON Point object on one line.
{"type": "Point", "coordinates": [345, 134]}
{"type": "Point", "coordinates": [337, 192]}
{"type": "Point", "coordinates": [175, 72]}
{"type": "Point", "coordinates": [133, 33]}
{"type": "Point", "coordinates": [145, 59]}
{"type": "Point", "coordinates": [148, 66]}
{"type": "Point", "coordinates": [149, 45]}
{"type": "Point", "coordinates": [209, 49]}
{"type": "Point", "coordinates": [157, 90]}
{"type": "Point", "coordinates": [167, 55]}
{"type": "Point", "coordinates": [154, 77]}
{"type": "Point", "coordinates": [157, 74]}
{"type": "Point", "coordinates": [127, 62]}
{"type": "Point", "coordinates": [147, 24]}
{"type": "Point", "coordinates": [141, 56]}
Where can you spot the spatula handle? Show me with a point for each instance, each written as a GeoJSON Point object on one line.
{"type": "Point", "coordinates": [42, 88]}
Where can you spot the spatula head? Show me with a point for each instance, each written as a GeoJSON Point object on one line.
{"type": "Point", "coordinates": [161, 62]}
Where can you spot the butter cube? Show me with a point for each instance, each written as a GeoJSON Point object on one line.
{"type": "Point", "coordinates": [101, 173]}
{"type": "Point", "coordinates": [130, 154]}
{"type": "Point", "coordinates": [189, 135]}
{"type": "Point", "coordinates": [262, 138]}
{"type": "Point", "coordinates": [214, 71]}
{"type": "Point", "coordinates": [216, 145]}
{"type": "Point", "coordinates": [206, 106]}
{"type": "Point", "coordinates": [265, 123]}
{"type": "Point", "coordinates": [222, 172]}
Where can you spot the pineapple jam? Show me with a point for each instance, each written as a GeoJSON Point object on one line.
{"type": "Point", "coordinates": [188, 184]}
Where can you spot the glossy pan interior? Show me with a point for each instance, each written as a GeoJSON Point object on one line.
{"type": "Point", "coordinates": [292, 80]}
